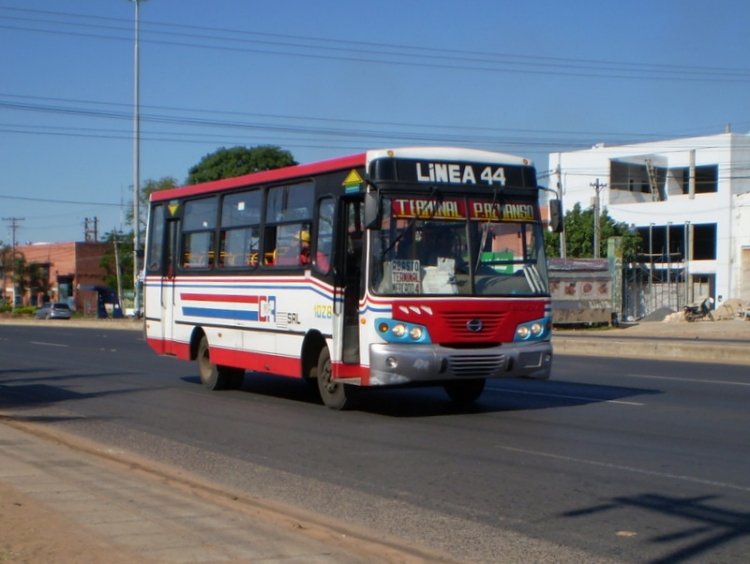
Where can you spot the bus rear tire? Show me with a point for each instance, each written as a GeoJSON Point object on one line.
{"type": "Point", "coordinates": [213, 377]}
{"type": "Point", "coordinates": [465, 392]}
{"type": "Point", "coordinates": [334, 394]}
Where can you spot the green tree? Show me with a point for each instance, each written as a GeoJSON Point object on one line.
{"type": "Point", "coordinates": [579, 235]}
{"type": "Point", "coordinates": [226, 163]}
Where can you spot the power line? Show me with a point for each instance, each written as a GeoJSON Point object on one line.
{"type": "Point", "coordinates": [389, 131]}
{"type": "Point", "coordinates": [51, 201]}
{"type": "Point", "coordinates": [374, 53]}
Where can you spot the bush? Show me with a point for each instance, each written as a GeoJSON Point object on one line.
{"type": "Point", "coordinates": [25, 310]}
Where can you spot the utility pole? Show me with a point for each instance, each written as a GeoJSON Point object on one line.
{"type": "Point", "coordinates": [136, 164]}
{"type": "Point", "coordinates": [563, 245]}
{"type": "Point", "coordinates": [597, 186]}
{"type": "Point", "coordinates": [13, 228]}
{"type": "Point", "coordinates": [90, 233]}
{"type": "Point", "coordinates": [118, 272]}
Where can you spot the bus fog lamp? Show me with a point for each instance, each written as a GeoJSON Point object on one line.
{"type": "Point", "coordinates": [391, 362]}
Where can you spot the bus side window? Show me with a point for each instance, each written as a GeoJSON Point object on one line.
{"type": "Point", "coordinates": [240, 231]}
{"type": "Point", "coordinates": [292, 245]}
{"type": "Point", "coordinates": [156, 240]}
{"type": "Point", "coordinates": [198, 236]}
{"type": "Point", "coordinates": [197, 250]}
{"type": "Point", "coordinates": [324, 240]}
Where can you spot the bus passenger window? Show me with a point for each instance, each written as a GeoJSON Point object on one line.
{"type": "Point", "coordinates": [324, 241]}
{"type": "Point", "coordinates": [197, 250]}
{"type": "Point", "coordinates": [238, 247]}
{"type": "Point", "coordinates": [288, 245]}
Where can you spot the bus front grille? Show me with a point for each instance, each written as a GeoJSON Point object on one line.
{"type": "Point", "coordinates": [476, 366]}
{"type": "Point", "coordinates": [463, 325]}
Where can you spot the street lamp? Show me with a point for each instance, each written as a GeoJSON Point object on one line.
{"type": "Point", "coordinates": [136, 164]}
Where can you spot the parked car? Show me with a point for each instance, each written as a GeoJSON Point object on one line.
{"type": "Point", "coordinates": [53, 311]}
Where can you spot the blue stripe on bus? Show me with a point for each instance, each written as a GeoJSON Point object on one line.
{"type": "Point", "coordinates": [220, 313]}
{"type": "Point", "coordinates": [266, 288]}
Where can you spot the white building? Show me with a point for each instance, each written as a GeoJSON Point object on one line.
{"type": "Point", "coordinates": [689, 199]}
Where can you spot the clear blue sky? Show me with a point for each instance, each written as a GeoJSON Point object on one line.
{"type": "Point", "coordinates": [334, 77]}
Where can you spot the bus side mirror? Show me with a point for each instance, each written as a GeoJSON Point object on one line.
{"type": "Point", "coordinates": [555, 216]}
{"type": "Point", "coordinates": [372, 210]}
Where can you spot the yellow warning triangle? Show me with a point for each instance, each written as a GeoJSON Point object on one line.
{"type": "Point", "coordinates": [352, 179]}
{"type": "Point", "coordinates": [173, 207]}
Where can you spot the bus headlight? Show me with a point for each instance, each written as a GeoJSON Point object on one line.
{"type": "Point", "coordinates": [401, 332]}
{"type": "Point", "coordinates": [536, 330]}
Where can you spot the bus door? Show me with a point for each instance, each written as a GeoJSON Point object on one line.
{"type": "Point", "coordinates": [161, 260]}
{"type": "Point", "coordinates": [351, 276]}
{"type": "Point", "coordinates": [168, 291]}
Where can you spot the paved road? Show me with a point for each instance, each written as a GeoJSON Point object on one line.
{"type": "Point", "coordinates": [625, 460]}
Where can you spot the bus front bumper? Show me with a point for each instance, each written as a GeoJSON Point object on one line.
{"type": "Point", "coordinates": [392, 364]}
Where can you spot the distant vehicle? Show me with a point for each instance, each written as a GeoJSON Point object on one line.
{"type": "Point", "coordinates": [53, 311]}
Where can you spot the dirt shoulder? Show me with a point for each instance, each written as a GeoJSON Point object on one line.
{"type": "Point", "coordinates": [32, 532]}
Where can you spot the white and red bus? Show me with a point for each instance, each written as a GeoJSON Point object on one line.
{"type": "Point", "coordinates": [392, 267]}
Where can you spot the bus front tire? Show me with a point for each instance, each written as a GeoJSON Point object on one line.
{"type": "Point", "coordinates": [334, 394]}
{"type": "Point", "coordinates": [465, 392]}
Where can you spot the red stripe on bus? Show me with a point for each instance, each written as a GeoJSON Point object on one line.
{"type": "Point", "coordinates": [227, 298]}
{"type": "Point", "coordinates": [260, 362]}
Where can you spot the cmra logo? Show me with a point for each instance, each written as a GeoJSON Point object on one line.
{"type": "Point", "coordinates": [267, 309]}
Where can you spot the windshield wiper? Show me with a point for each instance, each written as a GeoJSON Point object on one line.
{"type": "Point", "coordinates": [486, 231]}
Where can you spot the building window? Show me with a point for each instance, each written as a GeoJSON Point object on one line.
{"type": "Point", "coordinates": [704, 242]}
{"type": "Point", "coordinates": [662, 243]}
{"type": "Point", "coordinates": [706, 179]}
{"type": "Point", "coordinates": [634, 177]}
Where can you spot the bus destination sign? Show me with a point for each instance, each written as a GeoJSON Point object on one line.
{"type": "Point", "coordinates": [453, 173]}
{"type": "Point", "coordinates": [456, 209]}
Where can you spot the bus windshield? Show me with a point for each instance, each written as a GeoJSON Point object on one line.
{"type": "Point", "coordinates": [458, 245]}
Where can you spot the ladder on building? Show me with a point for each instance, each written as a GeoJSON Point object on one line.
{"type": "Point", "coordinates": [652, 181]}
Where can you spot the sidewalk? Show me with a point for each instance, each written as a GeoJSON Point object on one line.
{"type": "Point", "coordinates": [67, 503]}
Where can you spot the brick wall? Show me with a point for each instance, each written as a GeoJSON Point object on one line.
{"type": "Point", "coordinates": [78, 262]}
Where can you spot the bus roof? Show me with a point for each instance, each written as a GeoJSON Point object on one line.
{"type": "Point", "coordinates": [448, 154]}
{"type": "Point", "coordinates": [263, 177]}
{"type": "Point", "coordinates": [351, 161]}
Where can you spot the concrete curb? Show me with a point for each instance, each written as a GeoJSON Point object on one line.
{"type": "Point", "coordinates": [655, 348]}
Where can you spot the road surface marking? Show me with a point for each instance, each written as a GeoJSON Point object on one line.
{"type": "Point", "coordinates": [50, 344]}
{"type": "Point", "coordinates": [696, 380]}
{"type": "Point", "coordinates": [565, 396]}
